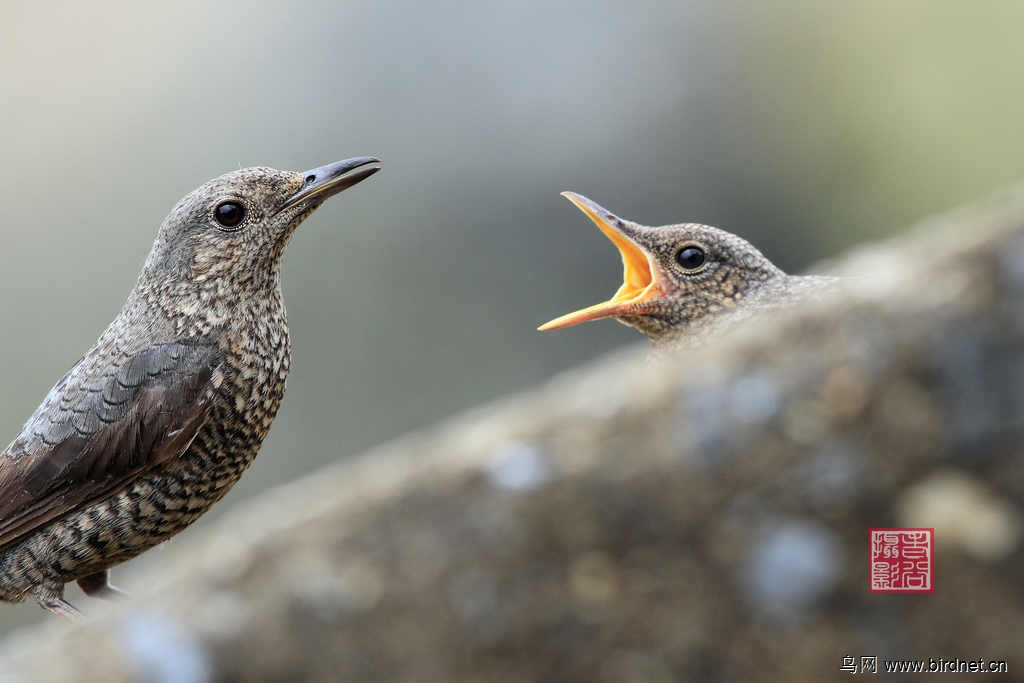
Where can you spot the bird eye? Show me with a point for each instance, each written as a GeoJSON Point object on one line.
{"type": "Point", "coordinates": [229, 214]}
{"type": "Point", "coordinates": [690, 258]}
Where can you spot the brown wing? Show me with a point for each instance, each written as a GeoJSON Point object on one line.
{"type": "Point", "coordinates": [102, 425]}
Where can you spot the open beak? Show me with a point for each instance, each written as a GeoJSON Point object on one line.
{"type": "Point", "coordinates": [331, 179]}
{"type": "Point", "coordinates": [638, 281]}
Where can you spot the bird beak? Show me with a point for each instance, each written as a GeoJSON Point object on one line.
{"type": "Point", "coordinates": [638, 281]}
{"type": "Point", "coordinates": [331, 179]}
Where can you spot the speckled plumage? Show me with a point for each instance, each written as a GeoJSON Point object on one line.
{"type": "Point", "coordinates": [676, 306]}
{"type": "Point", "coordinates": [162, 415]}
{"type": "Point", "coordinates": [738, 282]}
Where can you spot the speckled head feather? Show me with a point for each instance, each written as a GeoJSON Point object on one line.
{"type": "Point", "coordinates": [192, 245]}
{"type": "Point", "coordinates": [681, 280]}
{"type": "Point", "coordinates": [224, 241]}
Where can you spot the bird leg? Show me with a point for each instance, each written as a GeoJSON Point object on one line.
{"type": "Point", "coordinates": [52, 599]}
{"type": "Point", "coordinates": [97, 585]}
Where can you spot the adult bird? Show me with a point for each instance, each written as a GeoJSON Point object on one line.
{"type": "Point", "coordinates": [682, 282]}
{"type": "Point", "coordinates": [159, 419]}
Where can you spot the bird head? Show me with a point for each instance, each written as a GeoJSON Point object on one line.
{"type": "Point", "coordinates": [676, 278]}
{"type": "Point", "coordinates": [233, 230]}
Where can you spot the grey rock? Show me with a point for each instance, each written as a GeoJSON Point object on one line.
{"type": "Point", "coordinates": [712, 525]}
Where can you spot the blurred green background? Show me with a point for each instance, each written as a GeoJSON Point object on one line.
{"type": "Point", "coordinates": [805, 127]}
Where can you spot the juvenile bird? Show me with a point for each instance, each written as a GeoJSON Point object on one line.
{"type": "Point", "coordinates": [682, 281]}
{"type": "Point", "coordinates": [163, 414]}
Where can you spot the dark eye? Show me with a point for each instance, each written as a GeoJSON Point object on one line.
{"type": "Point", "coordinates": [229, 214]}
{"type": "Point", "coordinates": [690, 258]}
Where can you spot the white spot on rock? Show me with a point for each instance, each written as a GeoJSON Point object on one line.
{"type": "Point", "coordinates": [755, 399]}
{"type": "Point", "coordinates": [519, 466]}
{"type": "Point", "coordinates": [791, 567]}
{"type": "Point", "coordinates": [965, 514]}
{"type": "Point", "coordinates": [164, 651]}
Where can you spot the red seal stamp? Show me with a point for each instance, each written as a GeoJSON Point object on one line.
{"type": "Point", "coordinates": [902, 561]}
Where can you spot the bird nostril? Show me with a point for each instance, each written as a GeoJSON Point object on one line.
{"type": "Point", "coordinates": [310, 179]}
